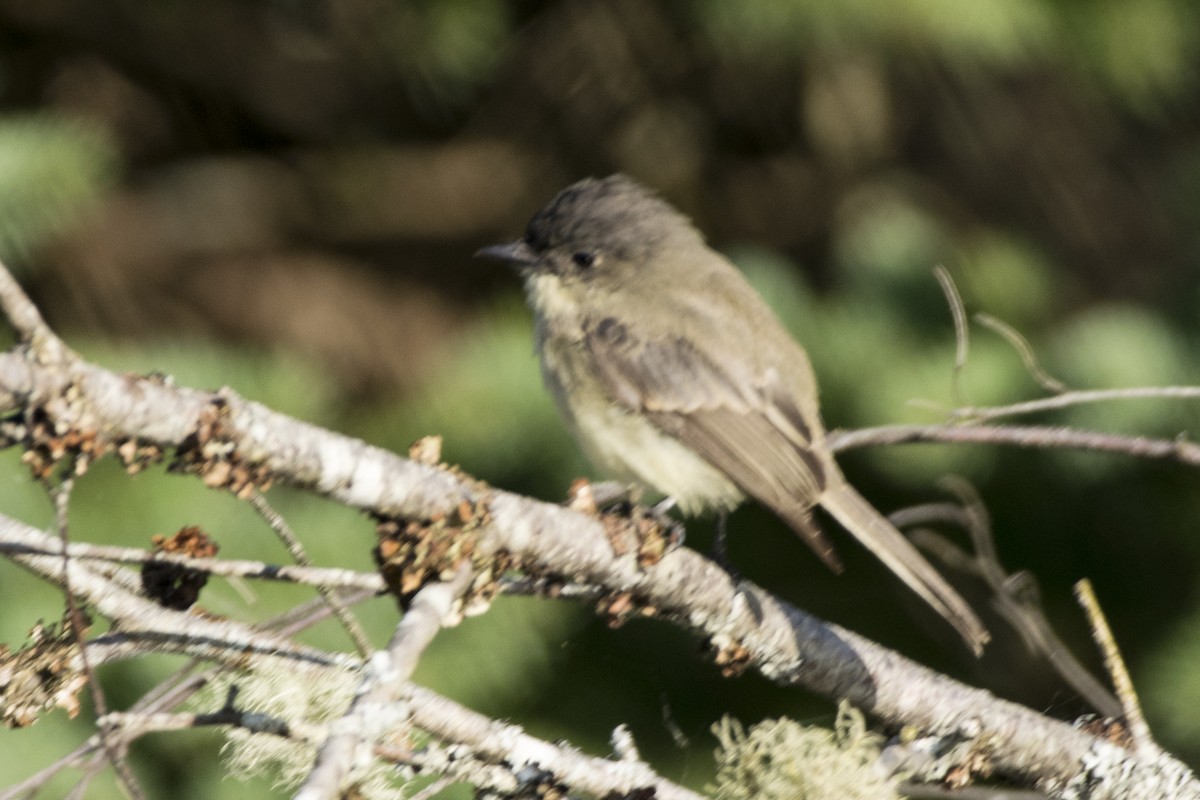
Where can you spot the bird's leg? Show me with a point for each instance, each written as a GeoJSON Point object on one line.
{"type": "Point", "coordinates": [719, 552]}
{"type": "Point", "coordinates": [613, 493]}
{"type": "Point", "coordinates": [656, 530]}
{"type": "Point", "coordinates": [625, 498]}
{"type": "Point", "coordinates": [721, 556]}
{"type": "Point", "coordinates": [672, 528]}
{"type": "Point", "coordinates": [606, 497]}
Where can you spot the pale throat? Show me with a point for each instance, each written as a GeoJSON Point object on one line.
{"type": "Point", "coordinates": [554, 304]}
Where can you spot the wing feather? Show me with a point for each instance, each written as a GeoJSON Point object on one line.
{"type": "Point", "coordinates": [744, 424]}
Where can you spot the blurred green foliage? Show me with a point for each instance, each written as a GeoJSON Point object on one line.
{"type": "Point", "coordinates": [51, 168]}
{"type": "Point", "coordinates": [1140, 51]}
{"type": "Point", "coordinates": [1002, 31]}
{"type": "Point", "coordinates": [486, 401]}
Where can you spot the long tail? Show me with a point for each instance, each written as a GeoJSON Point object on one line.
{"type": "Point", "coordinates": [892, 548]}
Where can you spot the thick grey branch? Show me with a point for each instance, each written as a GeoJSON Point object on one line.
{"type": "Point", "coordinates": [500, 742]}
{"type": "Point", "coordinates": [376, 705]}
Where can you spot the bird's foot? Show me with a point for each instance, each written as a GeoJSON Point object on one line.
{"type": "Point", "coordinates": [719, 552]}
{"type": "Point", "coordinates": [654, 530]}
{"type": "Point", "coordinates": [720, 555]}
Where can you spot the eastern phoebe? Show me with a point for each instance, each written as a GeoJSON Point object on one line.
{"type": "Point", "coordinates": [673, 372]}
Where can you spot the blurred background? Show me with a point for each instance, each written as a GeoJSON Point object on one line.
{"type": "Point", "coordinates": [283, 196]}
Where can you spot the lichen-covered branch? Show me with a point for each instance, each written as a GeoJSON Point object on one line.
{"type": "Point", "coordinates": [70, 411]}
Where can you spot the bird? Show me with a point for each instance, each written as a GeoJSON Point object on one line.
{"type": "Point", "coordinates": [672, 372]}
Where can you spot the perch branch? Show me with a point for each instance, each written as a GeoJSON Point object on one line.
{"type": "Point", "coordinates": [746, 626]}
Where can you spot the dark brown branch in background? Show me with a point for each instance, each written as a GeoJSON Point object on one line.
{"type": "Point", "coordinates": [1014, 595]}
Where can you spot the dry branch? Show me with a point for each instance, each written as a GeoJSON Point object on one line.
{"type": "Point", "coordinates": [63, 405]}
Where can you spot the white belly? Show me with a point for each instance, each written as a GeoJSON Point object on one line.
{"type": "Point", "coordinates": [624, 446]}
{"type": "Point", "coordinates": [631, 448]}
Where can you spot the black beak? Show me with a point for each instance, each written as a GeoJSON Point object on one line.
{"type": "Point", "coordinates": [517, 253]}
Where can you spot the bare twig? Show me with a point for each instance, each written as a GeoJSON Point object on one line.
{"type": "Point", "coordinates": [296, 550]}
{"type": "Point", "coordinates": [61, 494]}
{"type": "Point", "coordinates": [328, 577]}
{"type": "Point", "coordinates": [1178, 450]}
{"type": "Point", "coordinates": [1077, 398]}
{"type": "Point", "coordinates": [1015, 595]}
{"type": "Point", "coordinates": [1024, 350]}
{"type": "Point", "coordinates": [432, 790]}
{"type": "Point", "coordinates": [961, 334]}
{"type": "Point", "coordinates": [1139, 729]}
{"type": "Point", "coordinates": [306, 615]}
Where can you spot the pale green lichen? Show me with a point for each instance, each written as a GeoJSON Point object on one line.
{"type": "Point", "coordinates": [305, 701]}
{"type": "Point", "coordinates": [784, 760]}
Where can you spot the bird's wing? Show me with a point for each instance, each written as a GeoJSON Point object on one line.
{"type": "Point", "coordinates": [751, 427]}
{"type": "Point", "coordinates": [744, 424]}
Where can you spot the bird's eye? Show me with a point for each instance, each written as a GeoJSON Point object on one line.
{"type": "Point", "coordinates": [584, 259]}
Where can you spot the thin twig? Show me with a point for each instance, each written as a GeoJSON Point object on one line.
{"type": "Point", "coordinates": [1024, 350]}
{"type": "Point", "coordinates": [1076, 398]}
{"type": "Point", "coordinates": [961, 334]}
{"type": "Point", "coordinates": [62, 501]}
{"type": "Point", "coordinates": [306, 615]}
{"type": "Point", "coordinates": [432, 790]}
{"type": "Point", "coordinates": [328, 577]}
{"type": "Point", "coordinates": [1014, 595]}
{"type": "Point", "coordinates": [284, 531]}
{"type": "Point", "coordinates": [1139, 729]}
{"type": "Point", "coordinates": [1184, 452]}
